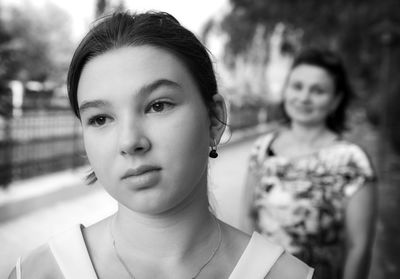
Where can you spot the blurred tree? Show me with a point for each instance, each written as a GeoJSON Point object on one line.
{"type": "Point", "coordinates": [39, 43]}
{"type": "Point", "coordinates": [367, 34]}
{"type": "Point", "coordinates": [344, 25]}
{"type": "Point", "coordinates": [388, 34]}
{"type": "Point", "coordinates": [5, 53]}
{"type": "Point", "coordinates": [101, 7]}
{"type": "Point", "coordinates": [5, 39]}
{"type": "Point", "coordinates": [106, 6]}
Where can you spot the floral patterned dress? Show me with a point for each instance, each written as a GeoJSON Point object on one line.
{"type": "Point", "coordinates": [300, 203]}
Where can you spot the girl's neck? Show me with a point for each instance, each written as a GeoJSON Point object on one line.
{"type": "Point", "coordinates": [170, 234]}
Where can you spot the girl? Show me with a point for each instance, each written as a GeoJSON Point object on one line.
{"type": "Point", "coordinates": [145, 92]}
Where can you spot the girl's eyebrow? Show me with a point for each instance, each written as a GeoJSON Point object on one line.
{"type": "Point", "coordinates": [151, 87]}
{"type": "Point", "coordinates": [93, 104]}
{"type": "Point", "coordinates": [144, 90]}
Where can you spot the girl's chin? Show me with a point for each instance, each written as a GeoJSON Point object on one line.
{"type": "Point", "coordinates": [308, 122]}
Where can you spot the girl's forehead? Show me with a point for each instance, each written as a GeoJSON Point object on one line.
{"type": "Point", "coordinates": [129, 69]}
{"type": "Point", "coordinates": [127, 60]}
{"type": "Point", "coordinates": [131, 58]}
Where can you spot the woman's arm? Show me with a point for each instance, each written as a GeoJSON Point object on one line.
{"type": "Point", "coordinates": [360, 229]}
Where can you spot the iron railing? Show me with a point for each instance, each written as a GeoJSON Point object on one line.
{"type": "Point", "coordinates": [39, 143]}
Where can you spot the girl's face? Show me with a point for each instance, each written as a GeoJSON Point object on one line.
{"type": "Point", "coordinates": [309, 96]}
{"type": "Point", "coordinates": [146, 129]}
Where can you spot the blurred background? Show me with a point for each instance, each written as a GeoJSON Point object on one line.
{"type": "Point", "coordinates": [252, 42]}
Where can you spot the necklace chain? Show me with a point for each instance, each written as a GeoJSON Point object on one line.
{"type": "Point", "coordinates": [214, 252]}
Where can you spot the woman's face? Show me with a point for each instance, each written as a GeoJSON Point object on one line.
{"type": "Point", "coordinates": [309, 96]}
{"type": "Point", "coordinates": [146, 129]}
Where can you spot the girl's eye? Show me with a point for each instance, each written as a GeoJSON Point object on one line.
{"type": "Point", "coordinates": [159, 106]}
{"type": "Point", "coordinates": [318, 90]}
{"type": "Point", "coordinates": [97, 121]}
{"type": "Point", "coordinates": [297, 86]}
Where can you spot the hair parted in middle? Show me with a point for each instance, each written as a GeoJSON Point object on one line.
{"type": "Point", "coordinates": [156, 29]}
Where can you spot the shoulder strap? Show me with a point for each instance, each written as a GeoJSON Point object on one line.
{"type": "Point", "coordinates": [263, 144]}
{"type": "Point", "coordinates": [69, 250]}
{"type": "Point", "coordinates": [258, 258]}
{"type": "Point", "coordinates": [18, 268]}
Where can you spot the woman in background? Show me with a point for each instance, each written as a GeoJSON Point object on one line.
{"type": "Point", "coordinates": [308, 189]}
{"type": "Point", "coordinates": [144, 90]}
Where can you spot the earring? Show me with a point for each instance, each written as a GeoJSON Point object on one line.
{"type": "Point", "coordinates": [213, 152]}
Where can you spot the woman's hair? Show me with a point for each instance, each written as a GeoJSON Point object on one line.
{"type": "Point", "coordinates": [332, 63]}
{"type": "Point", "coordinates": [156, 29]}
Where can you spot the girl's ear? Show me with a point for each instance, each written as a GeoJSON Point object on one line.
{"type": "Point", "coordinates": [218, 119]}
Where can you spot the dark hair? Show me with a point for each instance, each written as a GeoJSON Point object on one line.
{"type": "Point", "coordinates": [156, 29]}
{"type": "Point", "coordinates": [332, 63]}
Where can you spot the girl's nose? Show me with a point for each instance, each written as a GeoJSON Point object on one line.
{"type": "Point", "coordinates": [133, 139]}
{"type": "Point", "coordinates": [305, 95]}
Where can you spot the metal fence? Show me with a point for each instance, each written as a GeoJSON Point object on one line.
{"type": "Point", "coordinates": [38, 143]}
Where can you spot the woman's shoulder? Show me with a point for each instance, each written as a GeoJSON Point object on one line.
{"type": "Point", "coordinates": [358, 153]}
{"type": "Point", "coordinates": [348, 146]}
{"type": "Point", "coordinates": [351, 153]}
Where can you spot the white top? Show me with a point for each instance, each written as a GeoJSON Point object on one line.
{"type": "Point", "coordinates": [71, 254]}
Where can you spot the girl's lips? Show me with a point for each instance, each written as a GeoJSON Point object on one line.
{"type": "Point", "coordinates": [142, 177]}
{"type": "Point", "coordinates": [139, 171]}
